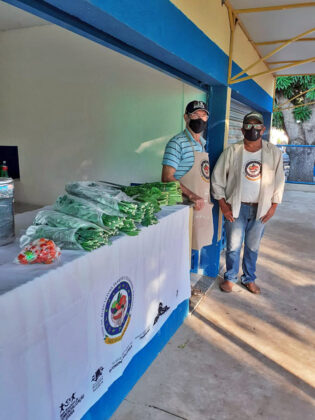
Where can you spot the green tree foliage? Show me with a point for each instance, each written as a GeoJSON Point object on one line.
{"type": "Point", "coordinates": [302, 113]}
{"type": "Point", "coordinates": [277, 120]}
{"type": "Point", "coordinates": [290, 86]}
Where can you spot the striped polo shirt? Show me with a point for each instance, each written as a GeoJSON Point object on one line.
{"type": "Point", "coordinates": [179, 153]}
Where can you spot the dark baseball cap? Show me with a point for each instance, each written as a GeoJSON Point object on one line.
{"type": "Point", "coordinates": [195, 106]}
{"type": "Point", "coordinates": [253, 116]}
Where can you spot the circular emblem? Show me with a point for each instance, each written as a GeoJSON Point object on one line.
{"type": "Point", "coordinates": [205, 170]}
{"type": "Point", "coordinates": [253, 170]}
{"type": "Point", "coordinates": [116, 310]}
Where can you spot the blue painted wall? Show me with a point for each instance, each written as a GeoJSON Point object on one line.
{"type": "Point", "coordinates": [210, 255]}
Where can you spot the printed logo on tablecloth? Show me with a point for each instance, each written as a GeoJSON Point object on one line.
{"type": "Point", "coordinates": [205, 170]}
{"type": "Point", "coordinates": [67, 408]}
{"type": "Point", "coordinates": [116, 310]}
{"type": "Point", "coordinates": [97, 378]}
{"type": "Point", "coordinates": [161, 311]}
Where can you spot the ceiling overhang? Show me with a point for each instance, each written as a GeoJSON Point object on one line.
{"type": "Point", "coordinates": [282, 34]}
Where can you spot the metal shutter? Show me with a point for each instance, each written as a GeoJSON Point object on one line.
{"type": "Point", "coordinates": [237, 113]}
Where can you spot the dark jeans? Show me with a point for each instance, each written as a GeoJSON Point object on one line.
{"type": "Point", "coordinates": [245, 228]}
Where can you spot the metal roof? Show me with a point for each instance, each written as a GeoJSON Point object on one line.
{"type": "Point", "coordinates": [270, 24]}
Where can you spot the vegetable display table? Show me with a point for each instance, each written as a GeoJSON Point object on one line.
{"type": "Point", "coordinates": [76, 335]}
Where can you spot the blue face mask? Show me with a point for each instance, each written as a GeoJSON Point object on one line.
{"type": "Point", "coordinates": [197, 126]}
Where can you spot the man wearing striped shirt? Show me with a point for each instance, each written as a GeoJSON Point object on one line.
{"type": "Point", "coordinates": [179, 152]}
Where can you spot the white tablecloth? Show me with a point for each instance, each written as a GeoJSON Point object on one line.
{"type": "Point", "coordinates": [60, 345]}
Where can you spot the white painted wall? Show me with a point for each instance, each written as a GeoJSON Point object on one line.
{"type": "Point", "coordinates": [77, 110]}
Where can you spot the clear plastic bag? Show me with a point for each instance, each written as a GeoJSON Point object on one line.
{"type": "Point", "coordinates": [67, 231]}
{"type": "Point", "coordinates": [57, 219]}
{"type": "Point", "coordinates": [6, 211]}
{"type": "Point", "coordinates": [99, 192]}
{"type": "Point", "coordinates": [84, 209]}
{"type": "Point", "coordinates": [6, 221]}
{"type": "Point", "coordinates": [42, 251]}
{"type": "Point", "coordinates": [64, 237]}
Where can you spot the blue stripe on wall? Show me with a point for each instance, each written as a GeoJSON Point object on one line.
{"type": "Point", "coordinates": [156, 29]}
{"type": "Point", "coordinates": [109, 402]}
{"type": "Point", "coordinates": [250, 93]}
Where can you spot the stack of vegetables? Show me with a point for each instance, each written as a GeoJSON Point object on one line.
{"type": "Point", "coordinates": [66, 231]}
{"type": "Point", "coordinates": [173, 190]}
{"type": "Point", "coordinates": [112, 199]}
{"type": "Point", "coordinates": [157, 193]}
{"type": "Point", "coordinates": [139, 212]}
{"type": "Point", "coordinates": [110, 202]}
{"type": "Point", "coordinates": [90, 213]}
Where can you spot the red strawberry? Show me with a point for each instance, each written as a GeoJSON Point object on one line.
{"type": "Point", "coordinates": [123, 300]}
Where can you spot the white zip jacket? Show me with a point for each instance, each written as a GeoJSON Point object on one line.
{"type": "Point", "coordinates": [226, 177]}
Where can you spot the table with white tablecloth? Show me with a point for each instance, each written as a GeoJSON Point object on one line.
{"type": "Point", "coordinates": [75, 335]}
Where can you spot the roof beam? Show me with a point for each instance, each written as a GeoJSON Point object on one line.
{"type": "Point", "coordinates": [234, 20]}
{"type": "Point", "coordinates": [242, 79]}
{"type": "Point", "coordinates": [233, 23]}
{"type": "Point", "coordinates": [272, 8]}
{"type": "Point", "coordinates": [293, 107]}
{"type": "Point", "coordinates": [279, 41]}
{"type": "Point", "coordinates": [290, 100]}
{"type": "Point", "coordinates": [273, 52]}
{"type": "Point", "coordinates": [283, 62]}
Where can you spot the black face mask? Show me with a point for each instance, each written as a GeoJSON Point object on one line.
{"type": "Point", "coordinates": [198, 125]}
{"type": "Point", "coordinates": [252, 134]}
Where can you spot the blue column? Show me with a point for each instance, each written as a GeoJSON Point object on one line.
{"type": "Point", "coordinates": [267, 122]}
{"type": "Point", "coordinates": [219, 97]}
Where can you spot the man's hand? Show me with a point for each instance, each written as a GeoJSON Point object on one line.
{"type": "Point", "coordinates": [199, 202]}
{"type": "Point", "coordinates": [269, 213]}
{"type": "Point", "coordinates": [168, 176]}
{"type": "Point", "coordinates": [226, 210]}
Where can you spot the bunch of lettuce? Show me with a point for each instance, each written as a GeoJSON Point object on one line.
{"type": "Point", "coordinates": [82, 238]}
{"type": "Point", "coordinates": [158, 193]}
{"type": "Point", "coordinates": [113, 201]}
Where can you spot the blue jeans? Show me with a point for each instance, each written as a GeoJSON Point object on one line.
{"type": "Point", "coordinates": [245, 228]}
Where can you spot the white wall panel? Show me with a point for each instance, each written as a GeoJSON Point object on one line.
{"type": "Point", "coordinates": [77, 110]}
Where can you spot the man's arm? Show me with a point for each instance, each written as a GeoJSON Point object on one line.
{"type": "Point", "coordinates": [168, 176]}
{"type": "Point", "coordinates": [279, 180]}
{"type": "Point", "coordinates": [218, 184]}
{"type": "Point", "coordinates": [278, 191]}
{"type": "Point", "coordinates": [219, 176]}
{"type": "Point", "coordinates": [269, 213]}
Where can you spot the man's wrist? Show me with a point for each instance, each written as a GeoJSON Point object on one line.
{"type": "Point", "coordinates": [190, 196]}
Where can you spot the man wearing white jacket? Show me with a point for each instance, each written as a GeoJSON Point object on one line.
{"type": "Point", "coordinates": [248, 182]}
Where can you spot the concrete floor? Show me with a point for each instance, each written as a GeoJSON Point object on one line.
{"type": "Point", "coordinates": [241, 356]}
